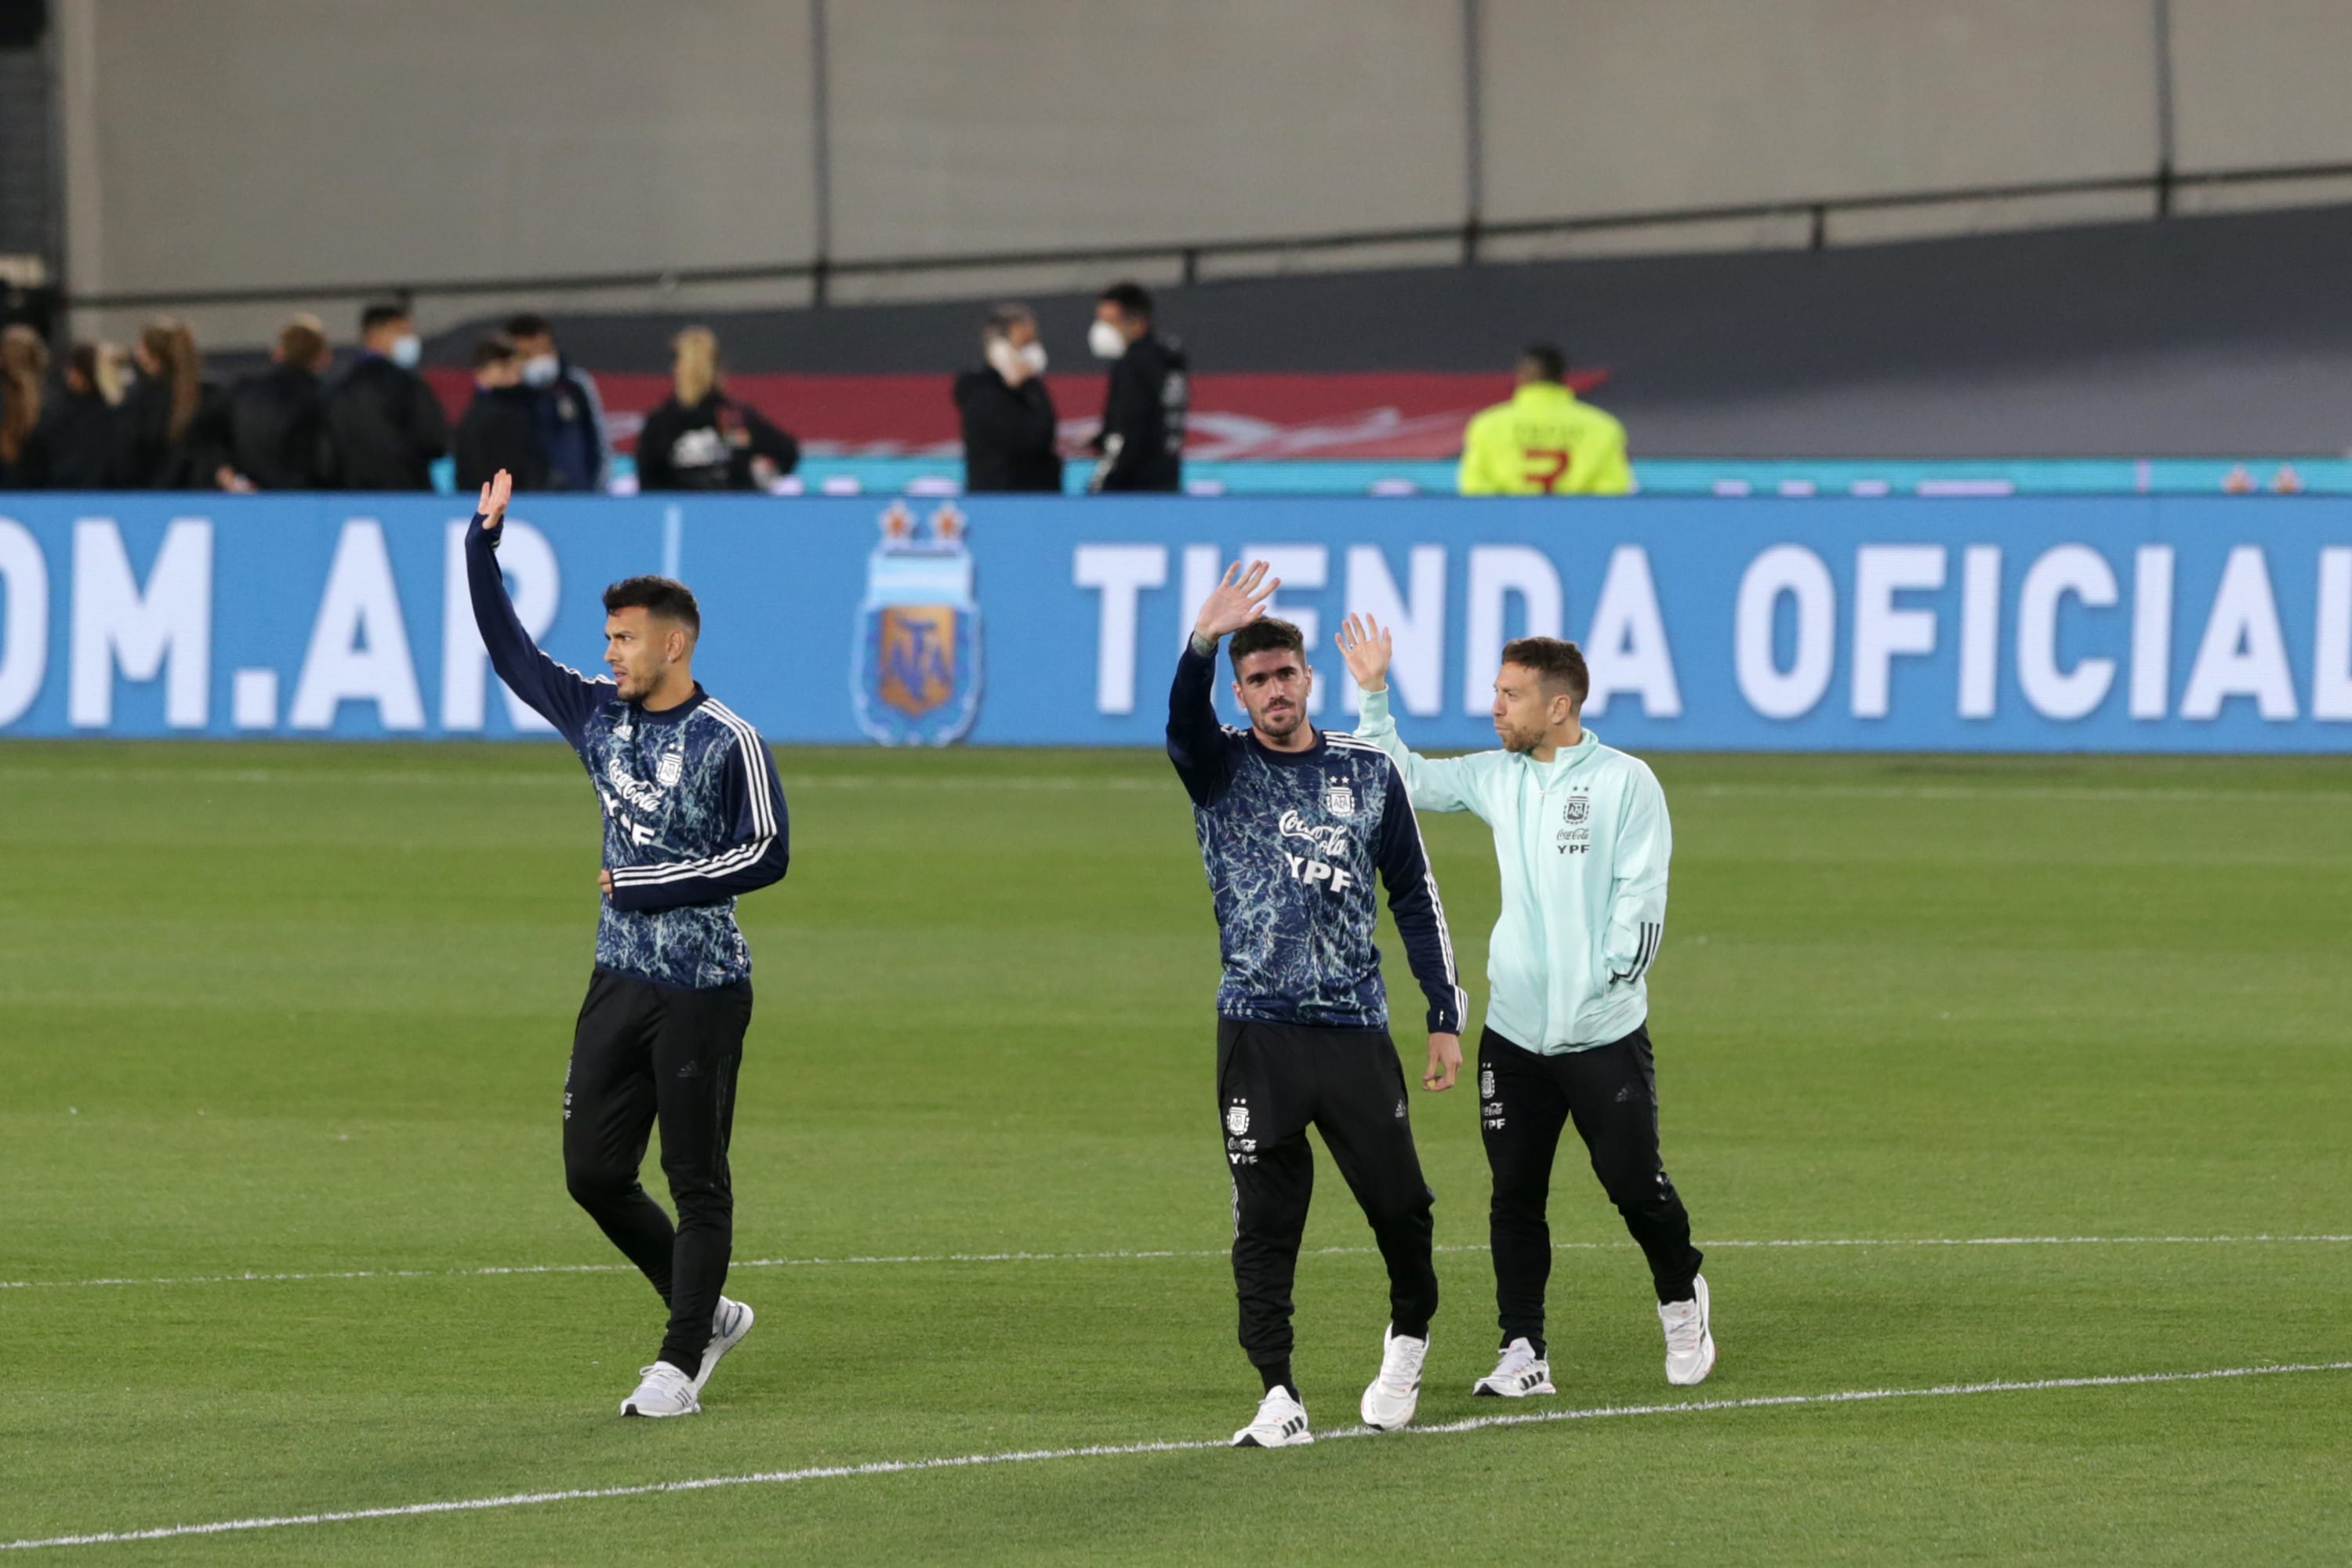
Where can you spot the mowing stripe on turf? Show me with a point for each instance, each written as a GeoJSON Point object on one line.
{"type": "Point", "coordinates": [257, 1277]}
{"type": "Point", "coordinates": [1112, 1450]}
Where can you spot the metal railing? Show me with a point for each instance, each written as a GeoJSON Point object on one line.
{"type": "Point", "coordinates": [1470, 237]}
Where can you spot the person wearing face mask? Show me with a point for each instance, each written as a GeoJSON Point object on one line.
{"type": "Point", "coordinates": [572, 434]}
{"type": "Point", "coordinates": [1008, 416]}
{"type": "Point", "coordinates": [385, 425]}
{"type": "Point", "coordinates": [1142, 443]}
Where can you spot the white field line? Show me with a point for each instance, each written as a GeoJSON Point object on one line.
{"type": "Point", "coordinates": [1113, 1450]}
{"type": "Point", "coordinates": [257, 1277]}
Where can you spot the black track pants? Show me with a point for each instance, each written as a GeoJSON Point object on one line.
{"type": "Point", "coordinates": [644, 1053]}
{"type": "Point", "coordinates": [1525, 1100]}
{"type": "Point", "coordinates": [1273, 1081]}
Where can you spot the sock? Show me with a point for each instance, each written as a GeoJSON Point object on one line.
{"type": "Point", "coordinates": [1277, 1375]}
{"type": "Point", "coordinates": [1405, 1330]}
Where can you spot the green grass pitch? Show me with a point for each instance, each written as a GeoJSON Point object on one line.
{"type": "Point", "coordinates": [303, 1011]}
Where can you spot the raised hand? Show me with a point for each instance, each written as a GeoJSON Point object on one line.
{"type": "Point", "coordinates": [1367, 647]}
{"type": "Point", "coordinates": [1235, 602]}
{"type": "Point", "coordinates": [493, 503]}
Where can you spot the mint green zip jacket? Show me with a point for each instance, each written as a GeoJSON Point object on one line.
{"type": "Point", "coordinates": [1583, 843]}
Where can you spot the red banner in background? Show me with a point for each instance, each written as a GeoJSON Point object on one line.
{"type": "Point", "coordinates": [1408, 413]}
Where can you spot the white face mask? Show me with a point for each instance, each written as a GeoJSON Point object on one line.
{"type": "Point", "coordinates": [540, 370]}
{"type": "Point", "coordinates": [407, 350]}
{"type": "Point", "coordinates": [1105, 341]}
{"type": "Point", "coordinates": [1034, 356]}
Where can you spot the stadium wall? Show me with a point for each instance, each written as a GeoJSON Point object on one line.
{"type": "Point", "coordinates": [274, 142]}
{"type": "Point", "coordinates": [2111, 623]}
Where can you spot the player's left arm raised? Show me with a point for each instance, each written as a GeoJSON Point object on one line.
{"type": "Point", "coordinates": [757, 852]}
{"type": "Point", "coordinates": [1420, 916]}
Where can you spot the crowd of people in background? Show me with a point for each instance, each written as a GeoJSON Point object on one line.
{"type": "Point", "coordinates": [152, 419]}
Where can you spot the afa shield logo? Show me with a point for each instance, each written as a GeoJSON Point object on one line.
{"type": "Point", "coordinates": [915, 678]}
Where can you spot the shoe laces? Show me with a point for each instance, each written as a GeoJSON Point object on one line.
{"type": "Point", "coordinates": [1683, 1326]}
{"type": "Point", "coordinates": [1276, 1398]}
{"type": "Point", "coordinates": [1518, 1357]}
{"type": "Point", "coordinates": [661, 1372]}
{"type": "Point", "coordinates": [1400, 1361]}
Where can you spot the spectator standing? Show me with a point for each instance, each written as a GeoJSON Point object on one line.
{"type": "Point", "coordinates": [84, 435]}
{"type": "Point", "coordinates": [385, 427]}
{"type": "Point", "coordinates": [1142, 443]}
{"type": "Point", "coordinates": [178, 420]}
{"type": "Point", "coordinates": [572, 434]}
{"type": "Point", "coordinates": [1544, 442]}
{"type": "Point", "coordinates": [1009, 422]}
{"type": "Point", "coordinates": [499, 429]}
{"type": "Point", "coordinates": [24, 372]}
{"type": "Point", "coordinates": [700, 438]}
{"type": "Point", "coordinates": [276, 418]}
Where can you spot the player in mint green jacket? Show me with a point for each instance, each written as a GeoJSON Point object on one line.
{"type": "Point", "coordinates": [1582, 840]}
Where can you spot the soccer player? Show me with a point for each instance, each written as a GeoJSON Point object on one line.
{"type": "Point", "coordinates": [1581, 836]}
{"type": "Point", "coordinates": [694, 815]}
{"type": "Point", "coordinates": [1292, 824]}
{"type": "Point", "coordinates": [1544, 441]}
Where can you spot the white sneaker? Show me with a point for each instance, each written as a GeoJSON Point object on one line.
{"type": "Point", "coordinates": [1391, 1398]}
{"type": "Point", "coordinates": [1520, 1373]}
{"type": "Point", "coordinates": [1280, 1423]}
{"type": "Point", "coordinates": [666, 1391]}
{"type": "Point", "coordinates": [729, 1325]}
{"type": "Point", "coordinates": [1690, 1337]}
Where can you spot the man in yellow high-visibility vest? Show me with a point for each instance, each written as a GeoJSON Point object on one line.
{"type": "Point", "coordinates": [1543, 442]}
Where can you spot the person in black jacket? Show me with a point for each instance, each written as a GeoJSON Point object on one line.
{"type": "Point", "coordinates": [385, 425]}
{"type": "Point", "coordinates": [84, 437]}
{"type": "Point", "coordinates": [499, 429]}
{"type": "Point", "coordinates": [1142, 443]}
{"type": "Point", "coordinates": [277, 419]}
{"type": "Point", "coordinates": [178, 420]}
{"type": "Point", "coordinates": [700, 438]}
{"type": "Point", "coordinates": [1008, 415]}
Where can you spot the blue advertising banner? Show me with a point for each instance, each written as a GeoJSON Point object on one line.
{"type": "Point", "coordinates": [2018, 624]}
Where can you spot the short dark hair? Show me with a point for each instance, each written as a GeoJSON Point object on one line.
{"type": "Point", "coordinates": [1555, 661]}
{"type": "Point", "coordinates": [1132, 299]}
{"type": "Point", "coordinates": [1000, 322]}
{"type": "Point", "coordinates": [1545, 360]}
{"type": "Point", "coordinates": [1261, 634]}
{"type": "Point", "coordinates": [529, 324]}
{"type": "Point", "coordinates": [381, 313]}
{"type": "Point", "coordinates": [665, 596]}
{"type": "Point", "coordinates": [495, 349]}
{"type": "Point", "coordinates": [302, 341]}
